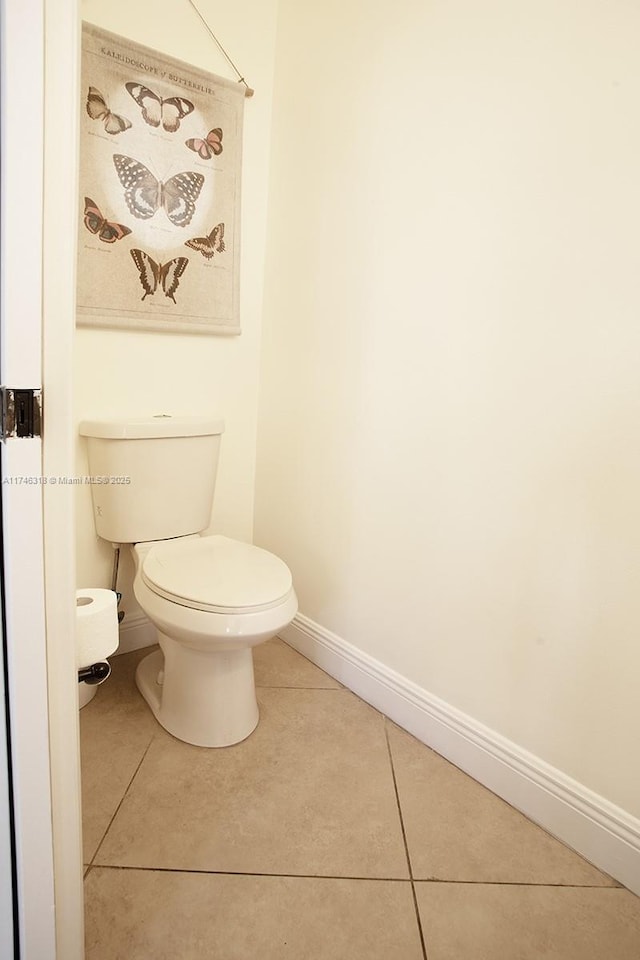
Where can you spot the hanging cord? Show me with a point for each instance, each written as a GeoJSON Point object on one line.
{"type": "Point", "coordinates": [248, 91]}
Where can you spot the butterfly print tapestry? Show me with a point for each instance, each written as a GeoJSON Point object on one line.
{"type": "Point", "coordinates": [160, 170]}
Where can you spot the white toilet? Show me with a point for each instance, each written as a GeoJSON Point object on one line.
{"type": "Point", "coordinates": [210, 598]}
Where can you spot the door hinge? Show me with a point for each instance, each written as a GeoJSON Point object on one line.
{"type": "Point", "coordinates": [21, 413]}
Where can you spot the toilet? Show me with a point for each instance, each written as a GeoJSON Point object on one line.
{"type": "Point", "coordinates": [210, 598]}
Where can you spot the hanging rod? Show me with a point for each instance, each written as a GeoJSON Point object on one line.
{"type": "Point", "coordinates": [248, 92]}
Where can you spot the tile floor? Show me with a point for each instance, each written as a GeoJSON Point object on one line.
{"type": "Point", "coordinates": [329, 834]}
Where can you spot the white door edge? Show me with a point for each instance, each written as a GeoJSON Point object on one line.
{"type": "Point", "coordinates": [42, 686]}
{"type": "Point", "coordinates": [20, 366]}
{"type": "Point", "coordinates": [61, 122]}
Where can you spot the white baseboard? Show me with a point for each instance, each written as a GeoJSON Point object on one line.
{"type": "Point", "coordinates": [136, 631]}
{"type": "Point", "coordinates": [604, 834]}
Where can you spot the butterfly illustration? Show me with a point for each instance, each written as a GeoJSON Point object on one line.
{"type": "Point", "coordinates": [211, 144]}
{"type": "Point", "coordinates": [98, 110]}
{"type": "Point", "coordinates": [152, 274]}
{"type": "Point", "coordinates": [145, 195]}
{"type": "Point", "coordinates": [155, 110]}
{"type": "Point", "coordinates": [207, 246]}
{"type": "Point", "coordinates": [97, 223]}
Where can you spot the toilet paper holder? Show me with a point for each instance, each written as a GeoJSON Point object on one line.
{"type": "Point", "coordinates": [96, 673]}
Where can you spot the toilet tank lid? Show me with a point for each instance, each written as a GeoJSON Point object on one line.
{"type": "Point", "coordinates": [160, 425]}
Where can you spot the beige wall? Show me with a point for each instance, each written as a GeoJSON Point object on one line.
{"type": "Point", "coordinates": [449, 454]}
{"type": "Point", "coordinates": [121, 373]}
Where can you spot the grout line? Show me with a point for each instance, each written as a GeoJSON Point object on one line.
{"type": "Point", "coordinates": [115, 813]}
{"type": "Point", "coordinates": [406, 846]}
{"type": "Point", "coordinates": [283, 686]}
{"type": "Point", "coordinates": [329, 876]}
{"type": "Point", "coordinates": [249, 873]}
{"type": "Point", "coordinates": [520, 883]}
{"type": "Point", "coordinates": [326, 876]}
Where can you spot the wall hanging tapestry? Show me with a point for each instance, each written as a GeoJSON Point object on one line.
{"type": "Point", "coordinates": [160, 163]}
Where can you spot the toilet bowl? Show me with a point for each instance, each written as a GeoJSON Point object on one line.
{"type": "Point", "coordinates": [211, 600]}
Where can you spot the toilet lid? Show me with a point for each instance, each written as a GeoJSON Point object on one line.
{"type": "Point", "coordinates": [216, 574]}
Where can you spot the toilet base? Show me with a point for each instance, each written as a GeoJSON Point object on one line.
{"type": "Point", "coordinates": [207, 698]}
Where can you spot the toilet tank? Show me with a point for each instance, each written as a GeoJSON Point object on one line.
{"type": "Point", "coordinates": [152, 478]}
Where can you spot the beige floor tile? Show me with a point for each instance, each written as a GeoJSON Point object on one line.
{"type": "Point", "coordinates": [309, 792]}
{"type": "Point", "coordinates": [276, 664]}
{"type": "Point", "coordinates": [115, 730]}
{"type": "Point", "coordinates": [504, 922]}
{"type": "Point", "coordinates": [144, 915]}
{"type": "Point", "coordinates": [458, 830]}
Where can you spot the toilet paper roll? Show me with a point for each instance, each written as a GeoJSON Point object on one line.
{"type": "Point", "coordinates": [96, 625]}
{"type": "Point", "coordinates": [86, 694]}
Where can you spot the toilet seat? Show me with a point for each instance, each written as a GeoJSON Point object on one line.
{"type": "Point", "coordinates": [217, 575]}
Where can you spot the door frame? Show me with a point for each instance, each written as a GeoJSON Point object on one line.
{"type": "Point", "coordinates": [21, 214]}
{"type": "Point", "coordinates": [40, 55]}
{"type": "Point", "coordinates": [60, 180]}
